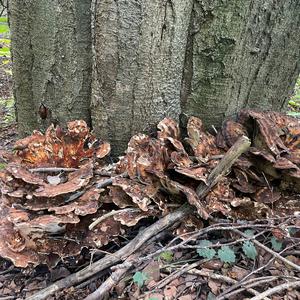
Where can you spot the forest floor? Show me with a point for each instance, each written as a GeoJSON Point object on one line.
{"type": "Point", "coordinates": [235, 260]}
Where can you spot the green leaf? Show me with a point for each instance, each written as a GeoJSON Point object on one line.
{"type": "Point", "coordinates": [139, 278]}
{"type": "Point", "coordinates": [226, 254]}
{"type": "Point", "coordinates": [4, 19]}
{"type": "Point", "coordinates": [153, 298]}
{"type": "Point", "coordinates": [206, 252]}
{"type": "Point", "coordinates": [292, 230]}
{"type": "Point", "coordinates": [276, 245]}
{"type": "Point", "coordinates": [249, 250]}
{"type": "Point", "coordinates": [166, 256]}
{"type": "Point", "coordinates": [211, 296]}
{"type": "Point", "coordinates": [249, 232]}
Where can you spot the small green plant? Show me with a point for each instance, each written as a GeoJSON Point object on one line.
{"type": "Point", "coordinates": [205, 251]}
{"type": "Point", "coordinates": [249, 249]}
{"type": "Point", "coordinates": [4, 28]}
{"type": "Point", "coordinates": [226, 254]}
{"type": "Point", "coordinates": [211, 296]}
{"type": "Point", "coordinates": [276, 245]}
{"type": "Point", "coordinates": [167, 256]}
{"type": "Point", "coordinates": [5, 51]}
{"type": "Point", "coordinates": [139, 278]}
{"type": "Point", "coordinates": [7, 105]}
{"type": "Point", "coordinates": [249, 232]}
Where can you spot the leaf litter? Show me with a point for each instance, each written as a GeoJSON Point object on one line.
{"type": "Point", "coordinates": [46, 215]}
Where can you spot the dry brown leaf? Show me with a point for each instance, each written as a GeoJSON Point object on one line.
{"type": "Point", "coordinates": [135, 190]}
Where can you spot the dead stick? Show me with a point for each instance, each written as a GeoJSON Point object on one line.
{"type": "Point", "coordinates": [120, 271]}
{"type": "Point", "coordinates": [53, 169]}
{"type": "Point", "coordinates": [267, 249]}
{"type": "Point", "coordinates": [120, 255]}
{"type": "Point", "coordinates": [248, 286]}
{"type": "Point", "coordinates": [177, 274]}
{"type": "Point", "coordinates": [110, 214]}
{"type": "Point", "coordinates": [238, 148]}
{"type": "Point", "coordinates": [243, 280]}
{"type": "Point", "coordinates": [112, 280]}
{"type": "Point", "coordinates": [277, 289]}
{"type": "Point", "coordinates": [221, 278]}
{"type": "Point", "coordinates": [109, 181]}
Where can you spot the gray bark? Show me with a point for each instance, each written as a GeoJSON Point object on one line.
{"type": "Point", "coordinates": [151, 58]}
{"type": "Point", "coordinates": [138, 63]}
{"type": "Point", "coordinates": [51, 47]}
{"type": "Point", "coordinates": [240, 54]}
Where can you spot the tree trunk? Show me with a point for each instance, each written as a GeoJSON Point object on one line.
{"type": "Point", "coordinates": [240, 54]}
{"type": "Point", "coordinates": [51, 47]}
{"type": "Point", "coordinates": [151, 58]}
{"type": "Point", "coordinates": [138, 64]}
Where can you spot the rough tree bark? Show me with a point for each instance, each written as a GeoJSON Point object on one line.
{"type": "Point", "coordinates": [240, 54]}
{"type": "Point", "coordinates": [152, 58]}
{"type": "Point", "coordinates": [51, 47]}
{"type": "Point", "coordinates": [209, 58]}
{"type": "Point", "coordinates": [139, 57]}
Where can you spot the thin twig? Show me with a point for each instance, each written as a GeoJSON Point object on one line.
{"type": "Point", "coordinates": [249, 284]}
{"type": "Point", "coordinates": [244, 279]}
{"type": "Point", "coordinates": [199, 233]}
{"type": "Point", "coordinates": [112, 280]}
{"type": "Point", "coordinates": [109, 181]}
{"type": "Point", "coordinates": [277, 289]}
{"type": "Point", "coordinates": [267, 249]}
{"type": "Point", "coordinates": [178, 273]}
{"type": "Point", "coordinates": [110, 214]}
{"type": "Point", "coordinates": [52, 169]}
{"type": "Point", "coordinates": [221, 278]}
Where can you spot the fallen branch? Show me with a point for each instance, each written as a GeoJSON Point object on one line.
{"type": "Point", "coordinates": [221, 278]}
{"type": "Point", "coordinates": [238, 148]}
{"type": "Point", "coordinates": [118, 256]}
{"type": "Point", "coordinates": [277, 289]}
{"type": "Point", "coordinates": [112, 280]}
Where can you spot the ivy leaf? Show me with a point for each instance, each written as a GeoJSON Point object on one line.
{"type": "Point", "coordinates": [206, 252]}
{"type": "Point", "coordinates": [249, 250]}
{"type": "Point", "coordinates": [166, 256]}
{"type": "Point", "coordinates": [292, 230]}
{"type": "Point", "coordinates": [139, 278]}
{"type": "Point", "coordinates": [211, 296]}
{"type": "Point", "coordinates": [226, 254]}
{"type": "Point", "coordinates": [276, 245]}
{"type": "Point", "coordinates": [249, 232]}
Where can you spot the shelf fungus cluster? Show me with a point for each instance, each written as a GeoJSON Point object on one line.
{"type": "Point", "coordinates": [60, 193]}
